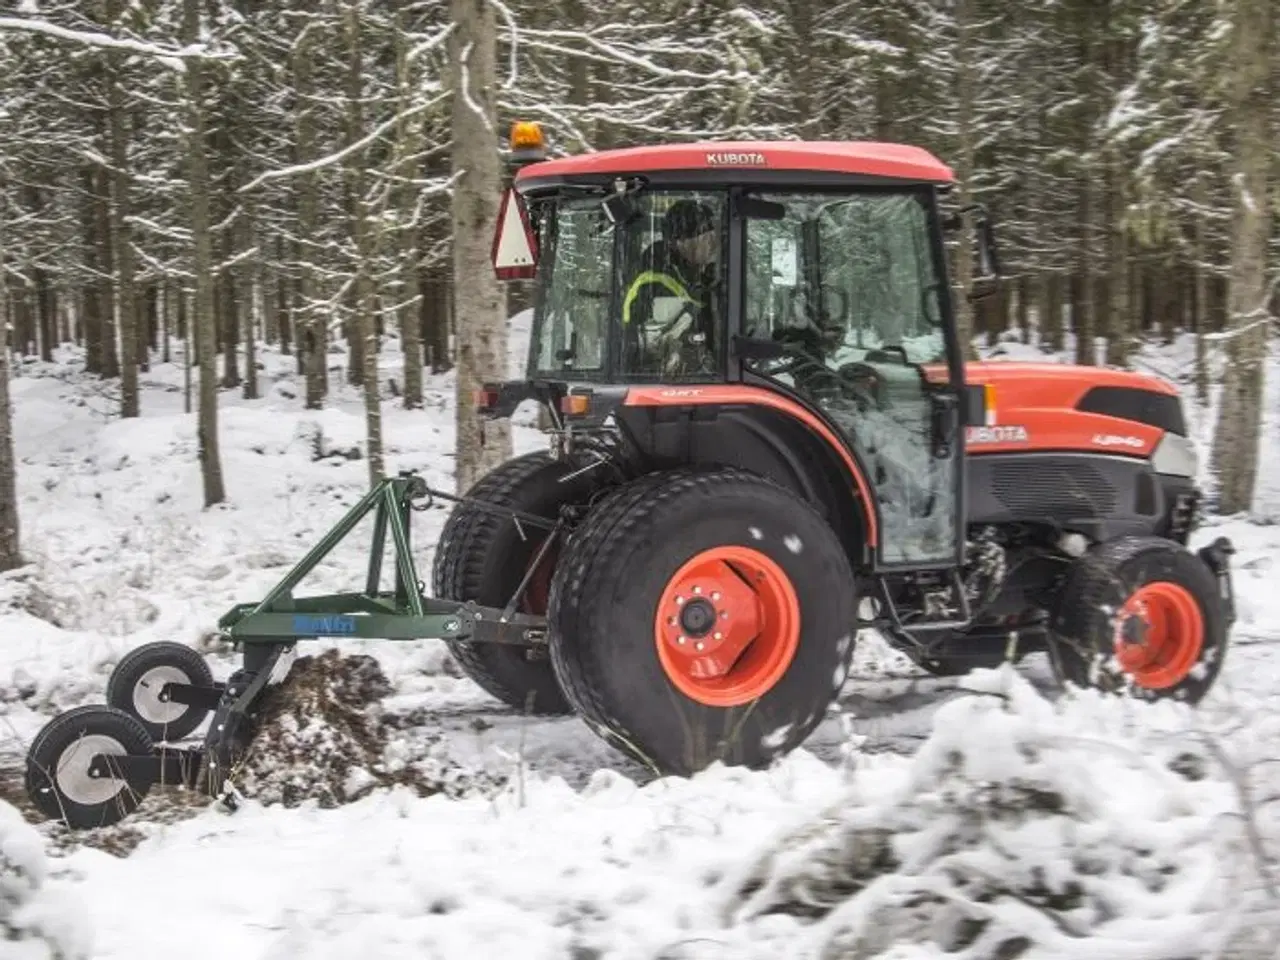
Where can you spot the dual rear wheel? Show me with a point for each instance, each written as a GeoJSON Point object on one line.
{"type": "Point", "coordinates": [695, 616]}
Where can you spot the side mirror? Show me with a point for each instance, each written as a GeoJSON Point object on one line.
{"type": "Point", "coordinates": [986, 257]}
{"type": "Point", "coordinates": [973, 405]}
{"type": "Point", "coordinates": [757, 348]}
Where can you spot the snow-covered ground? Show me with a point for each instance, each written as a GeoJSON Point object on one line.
{"type": "Point", "coordinates": [1090, 827]}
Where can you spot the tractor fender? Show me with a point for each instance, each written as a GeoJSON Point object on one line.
{"type": "Point", "coordinates": [763, 431]}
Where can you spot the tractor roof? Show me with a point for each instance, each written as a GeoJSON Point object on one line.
{"type": "Point", "coordinates": [855, 158]}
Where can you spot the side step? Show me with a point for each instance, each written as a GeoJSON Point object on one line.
{"type": "Point", "coordinates": [890, 619]}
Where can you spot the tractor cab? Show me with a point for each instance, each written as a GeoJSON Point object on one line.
{"type": "Point", "coordinates": [809, 277]}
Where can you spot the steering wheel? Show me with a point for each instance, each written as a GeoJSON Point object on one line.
{"type": "Point", "coordinates": [866, 379]}
{"type": "Point", "coordinates": [827, 384]}
{"type": "Point", "coordinates": [885, 355]}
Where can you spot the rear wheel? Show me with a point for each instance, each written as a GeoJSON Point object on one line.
{"type": "Point", "coordinates": [703, 616]}
{"type": "Point", "coordinates": [1140, 615]}
{"type": "Point", "coordinates": [483, 555]}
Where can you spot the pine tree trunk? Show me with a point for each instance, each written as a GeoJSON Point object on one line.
{"type": "Point", "coordinates": [47, 304]}
{"type": "Point", "coordinates": [1235, 442]}
{"type": "Point", "coordinates": [481, 326]}
{"type": "Point", "coordinates": [312, 329]}
{"type": "Point", "coordinates": [202, 320]}
{"type": "Point", "coordinates": [363, 329]}
{"type": "Point", "coordinates": [965, 94]}
{"type": "Point", "coordinates": [408, 145]}
{"type": "Point", "coordinates": [1082, 308]}
{"type": "Point", "coordinates": [10, 545]}
{"type": "Point", "coordinates": [109, 358]}
{"type": "Point", "coordinates": [1117, 305]}
{"type": "Point", "coordinates": [121, 244]}
{"type": "Point", "coordinates": [433, 316]}
{"type": "Point", "coordinates": [1201, 303]}
{"type": "Point", "coordinates": [166, 324]}
{"type": "Point", "coordinates": [249, 281]}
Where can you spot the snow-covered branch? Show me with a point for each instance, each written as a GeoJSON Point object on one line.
{"type": "Point", "coordinates": [173, 57]}
{"type": "Point", "coordinates": [340, 155]}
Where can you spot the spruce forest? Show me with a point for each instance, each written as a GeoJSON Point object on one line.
{"type": "Point", "coordinates": [833, 658]}
{"type": "Point", "coordinates": [208, 178]}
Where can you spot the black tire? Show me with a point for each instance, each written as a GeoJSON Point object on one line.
{"type": "Point", "coordinates": [135, 684]}
{"type": "Point", "coordinates": [57, 780]}
{"type": "Point", "coordinates": [482, 556]}
{"type": "Point", "coordinates": [1087, 616]}
{"type": "Point", "coordinates": [605, 598]}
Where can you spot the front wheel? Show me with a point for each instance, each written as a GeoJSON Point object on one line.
{"type": "Point", "coordinates": [1140, 615]}
{"type": "Point", "coordinates": [703, 616]}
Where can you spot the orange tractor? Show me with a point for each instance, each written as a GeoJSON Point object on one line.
{"type": "Point", "coordinates": [765, 439]}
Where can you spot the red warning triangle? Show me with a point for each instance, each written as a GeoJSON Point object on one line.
{"type": "Point", "coordinates": [513, 243]}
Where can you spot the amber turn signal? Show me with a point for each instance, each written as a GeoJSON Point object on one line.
{"type": "Point", "coordinates": [575, 404]}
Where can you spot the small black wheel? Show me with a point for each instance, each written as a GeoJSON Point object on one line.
{"type": "Point", "coordinates": [482, 556]}
{"type": "Point", "coordinates": [138, 679]}
{"type": "Point", "coordinates": [702, 616]}
{"type": "Point", "coordinates": [1140, 616]}
{"type": "Point", "coordinates": [58, 780]}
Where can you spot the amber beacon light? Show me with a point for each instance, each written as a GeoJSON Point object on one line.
{"type": "Point", "coordinates": [526, 141]}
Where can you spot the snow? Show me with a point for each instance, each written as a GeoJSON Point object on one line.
{"type": "Point", "coordinates": [40, 919]}
{"type": "Point", "coordinates": [879, 839]}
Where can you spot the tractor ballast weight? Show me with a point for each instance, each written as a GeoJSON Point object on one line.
{"type": "Point", "coordinates": [764, 438]}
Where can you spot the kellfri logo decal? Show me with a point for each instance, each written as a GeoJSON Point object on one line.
{"type": "Point", "coordinates": [730, 159]}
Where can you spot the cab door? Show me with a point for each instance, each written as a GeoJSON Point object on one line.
{"type": "Point", "coordinates": [852, 285]}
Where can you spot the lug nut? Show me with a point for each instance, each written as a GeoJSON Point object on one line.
{"type": "Point", "coordinates": [718, 635]}
{"type": "Point", "coordinates": [724, 614]}
{"type": "Point", "coordinates": [680, 639]}
{"type": "Point", "coordinates": [697, 589]}
{"type": "Point", "coordinates": [679, 601]}
{"type": "Point", "coordinates": [698, 645]}
{"type": "Point", "coordinates": [715, 595]}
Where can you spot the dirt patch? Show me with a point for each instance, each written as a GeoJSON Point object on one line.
{"type": "Point", "coordinates": [11, 787]}
{"type": "Point", "coordinates": [324, 738]}
{"type": "Point", "coordinates": [160, 807]}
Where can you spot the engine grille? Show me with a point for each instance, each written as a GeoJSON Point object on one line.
{"type": "Point", "coordinates": [1059, 487]}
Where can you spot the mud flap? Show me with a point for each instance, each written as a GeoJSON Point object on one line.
{"type": "Point", "coordinates": [1217, 557]}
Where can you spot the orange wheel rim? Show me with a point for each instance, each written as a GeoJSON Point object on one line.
{"type": "Point", "coordinates": [1159, 635]}
{"type": "Point", "coordinates": [727, 626]}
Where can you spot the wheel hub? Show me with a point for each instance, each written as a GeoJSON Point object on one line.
{"type": "Point", "coordinates": [1159, 635]}
{"type": "Point", "coordinates": [697, 617]}
{"type": "Point", "coordinates": [74, 778]}
{"type": "Point", "coordinates": [149, 699]}
{"type": "Point", "coordinates": [727, 626]}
